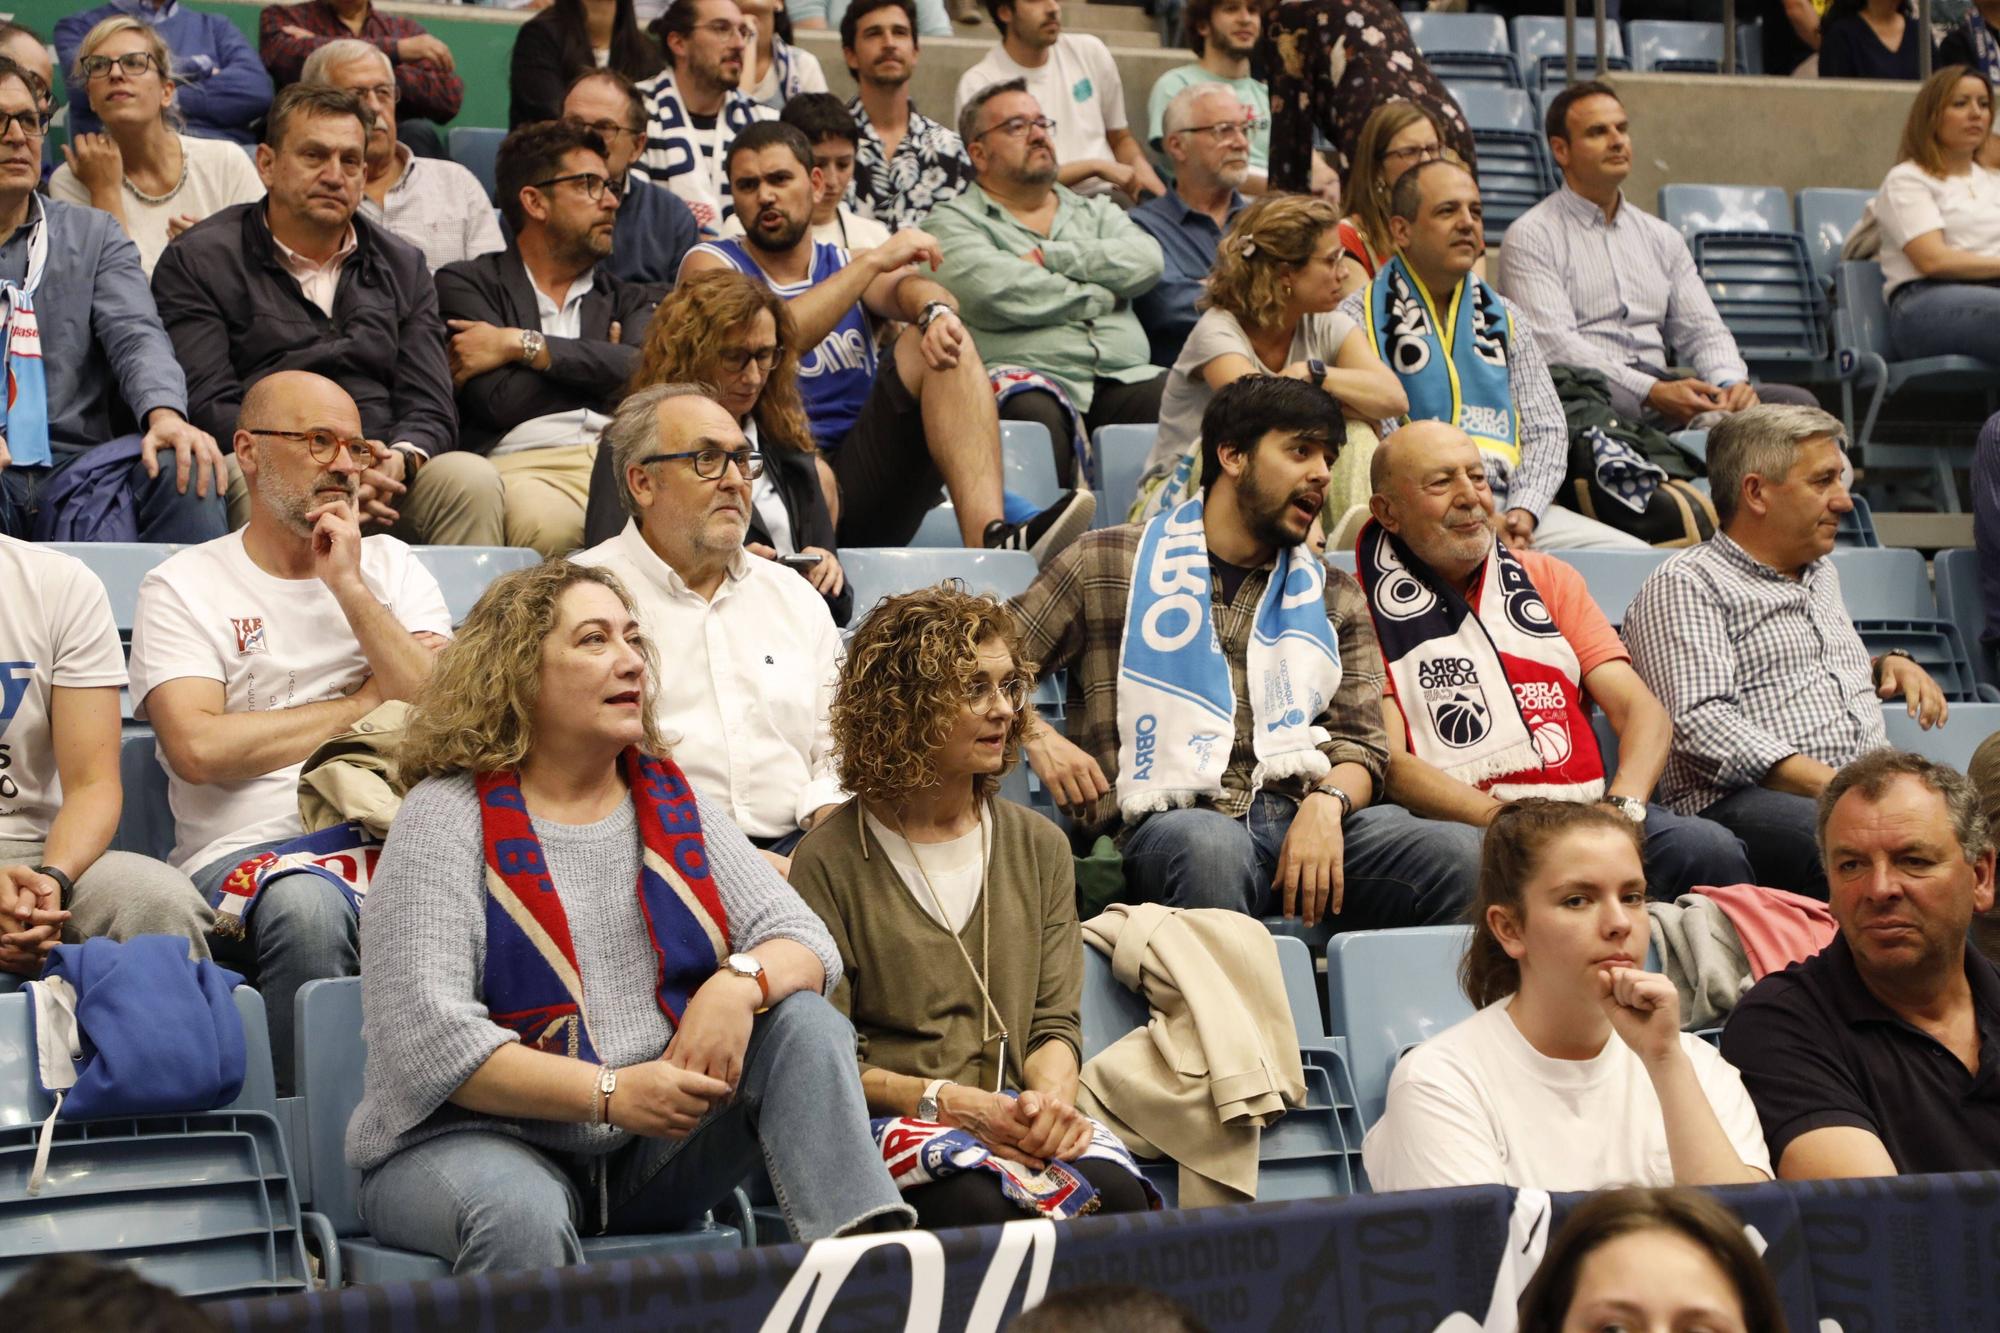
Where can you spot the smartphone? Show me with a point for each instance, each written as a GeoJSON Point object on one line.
{"type": "Point", "coordinates": [799, 561]}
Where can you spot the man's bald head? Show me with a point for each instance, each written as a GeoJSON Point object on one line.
{"type": "Point", "coordinates": [1430, 489]}
{"type": "Point", "coordinates": [298, 400]}
{"type": "Point", "coordinates": [1413, 447]}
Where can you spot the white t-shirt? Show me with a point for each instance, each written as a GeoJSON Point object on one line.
{"type": "Point", "coordinates": [955, 870]}
{"type": "Point", "coordinates": [219, 175]}
{"type": "Point", "coordinates": [56, 628]}
{"type": "Point", "coordinates": [1913, 202]}
{"type": "Point", "coordinates": [273, 643]}
{"type": "Point", "coordinates": [1477, 1105]}
{"type": "Point", "coordinates": [1077, 87]}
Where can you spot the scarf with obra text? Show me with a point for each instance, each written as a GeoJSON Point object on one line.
{"type": "Point", "coordinates": [1453, 369]}
{"type": "Point", "coordinates": [532, 982]}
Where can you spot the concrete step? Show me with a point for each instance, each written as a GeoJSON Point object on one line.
{"type": "Point", "coordinates": [1105, 19]}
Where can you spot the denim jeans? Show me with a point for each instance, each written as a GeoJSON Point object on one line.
{"type": "Point", "coordinates": [164, 513]}
{"type": "Point", "coordinates": [1779, 831]}
{"type": "Point", "coordinates": [1683, 851]}
{"type": "Point", "coordinates": [1399, 870]}
{"type": "Point", "coordinates": [303, 929]}
{"type": "Point", "coordinates": [484, 1201]}
{"type": "Point", "coordinates": [1946, 319]}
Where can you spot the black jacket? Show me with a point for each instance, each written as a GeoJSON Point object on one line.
{"type": "Point", "coordinates": [587, 372]}
{"type": "Point", "coordinates": [235, 315]}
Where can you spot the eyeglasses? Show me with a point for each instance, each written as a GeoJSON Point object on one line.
{"type": "Point", "coordinates": [981, 694]}
{"type": "Point", "coordinates": [384, 93]}
{"type": "Point", "coordinates": [737, 359]}
{"type": "Point", "coordinates": [31, 124]}
{"type": "Point", "coordinates": [1016, 126]}
{"type": "Point", "coordinates": [709, 463]}
{"type": "Point", "coordinates": [134, 63]}
{"type": "Point", "coordinates": [724, 28]}
{"type": "Point", "coordinates": [606, 128]}
{"type": "Point", "coordinates": [593, 185]}
{"type": "Point", "coordinates": [1223, 129]}
{"type": "Point", "coordinates": [323, 445]}
{"type": "Point", "coordinates": [1428, 152]}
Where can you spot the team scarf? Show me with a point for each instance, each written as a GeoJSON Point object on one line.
{"type": "Point", "coordinates": [532, 982]}
{"type": "Point", "coordinates": [1986, 50]}
{"type": "Point", "coordinates": [1176, 707]}
{"type": "Point", "coordinates": [1453, 369]}
{"type": "Point", "coordinates": [24, 418]}
{"type": "Point", "coordinates": [1491, 695]}
{"type": "Point", "coordinates": [917, 1152]}
{"type": "Point", "coordinates": [344, 855]}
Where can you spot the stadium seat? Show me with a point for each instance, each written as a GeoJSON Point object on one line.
{"type": "Point", "coordinates": [462, 572]}
{"type": "Point", "coordinates": [1857, 525]}
{"type": "Point", "coordinates": [876, 572]}
{"type": "Point", "coordinates": [1702, 208]}
{"type": "Point", "coordinates": [477, 150]}
{"type": "Point", "coordinates": [1539, 44]}
{"type": "Point", "coordinates": [1515, 171]}
{"type": "Point", "coordinates": [1826, 217]}
{"type": "Point", "coordinates": [203, 1202]}
{"type": "Point", "coordinates": [1888, 595]}
{"type": "Point", "coordinates": [1027, 473]}
{"type": "Point", "coordinates": [1961, 601]}
{"type": "Point", "coordinates": [1121, 457]}
{"type": "Point", "coordinates": [331, 1058]}
{"type": "Point", "coordinates": [1388, 990]}
{"type": "Point", "coordinates": [1472, 47]}
{"type": "Point", "coordinates": [1614, 577]}
{"type": "Point", "coordinates": [1487, 108]}
{"type": "Point", "coordinates": [1964, 729]}
{"type": "Point", "coordinates": [145, 821]}
{"type": "Point", "coordinates": [1673, 47]}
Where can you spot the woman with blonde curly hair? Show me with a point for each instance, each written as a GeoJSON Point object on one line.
{"type": "Point", "coordinates": [735, 335]}
{"type": "Point", "coordinates": [1397, 136]}
{"type": "Point", "coordinates": [590, 1006]}
{"type": "Point", "coordinates": [954, 913]}
{"type": "Point", "coordinates": [1270, 310]}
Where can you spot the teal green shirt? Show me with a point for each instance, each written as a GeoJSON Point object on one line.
{"type": "Point", "coordinates": [1251, 92]}
{"type": "Point", "coordinates": [1070, 316]}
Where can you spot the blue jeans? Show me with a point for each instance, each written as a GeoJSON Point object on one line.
{"type": "Point", "coordinates": [164, 513]}
{"type": "Point", "coordinates": [485, 1202]}
{"type": "Point", "coordinates": [303, 929]}
{"type": "Point", "coordinates": [1683, 851]}
{"type": "Point", "coordinates": [1946, 319]}
{"type": "Point", "coordinates": [1399, 870]}
{"type": "Point", "coordinates": [1779, 831]}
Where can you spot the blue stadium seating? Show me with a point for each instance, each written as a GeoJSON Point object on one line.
{"type": "Point", "coordinates": [1700, 208]}
{"type": "Point", "coordinates": [1515, 171]}
{"type": "Point", "coordinates": [1539, 43]}
{"type": "Point", "coordinates": [1826, 217]}
{"type": "Point", "coordinates": [876, 572]}
{"type": "Point", "coordinates": [145, 822]}
{"type": "Point", "coordinates": [1888, 594]}
{"type": "Point", "coordinates": [1614, 577]}
{"type": "Point", "coordinates": [202, 1202]}
{"type": "Point", "coordinates": [1027, 470]}
{"type": "Point", "coordinates": [331, 1057]}
{"type": "Point", "coordinates": [1471, 47]}
{"type": "Point", "coordinates": [1121, 457]}
{"type": "Point", "coordinates": [1755, 267]}
{"type": "Point", "coordinates": [1674, 47]}
{"type": "Point", "coordinates": [1388, 990]}
{"type": "Point", "coordinates": [462, 572]}
{"type": "Point", "coordinates": [1960, 600]}
{"type": "Point", "coordinates": [1857, 525]}
{"type": "Point", "coordinates": [477, 149]}
{"type": "Point", "coordinates": [1966, 726]}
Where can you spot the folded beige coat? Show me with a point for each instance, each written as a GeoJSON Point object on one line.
{"type": "Point", "coordinates": [352, 776]}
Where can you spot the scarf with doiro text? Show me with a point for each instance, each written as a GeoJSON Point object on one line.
{"type": "Point", "coordinates": [1176, 706]}
{"type": "Point", "coordinates": [1455, 368]}
{"type": "Point", "coordinates": [1493, 695]}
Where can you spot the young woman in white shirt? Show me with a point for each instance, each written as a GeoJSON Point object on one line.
{"type": "Point", "coordinates": [1575, 1073]}
{"type": "Point", "coordinates": [1939, 212]}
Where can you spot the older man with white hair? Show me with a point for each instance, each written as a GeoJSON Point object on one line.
{"type": "Point", "coordinates": [1206, 133]}
{"type": "Point", "coordinates": [433, 203]}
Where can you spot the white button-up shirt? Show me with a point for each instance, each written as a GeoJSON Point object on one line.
{"type": "Point", "coordinates": [746, 681]}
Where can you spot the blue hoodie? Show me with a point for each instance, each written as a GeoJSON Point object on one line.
{"type": "Point", "coordinates": [222, 84]}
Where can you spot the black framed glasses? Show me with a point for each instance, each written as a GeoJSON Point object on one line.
{"type": "Point", "coordinates": [709, 463]}
{"type": "Point", "coordinates": [736, 360]}
{"type": "Point", "coordinates": [1016, 126]}
{"type": "Point", "coordinates": [607, 129]}
{"type": "Point", "coordinates": [981, 695]}
{"type": "Point", "coordinates": [134, 63]}
{"type": "Point", "coordinates": [1428, 152]}
{"type": "Point", "coordinates": [323, 445]}
{"type": "Point", "coordinates": [31, 124]}
{"type": "Point", "coordinates": [593, 185]}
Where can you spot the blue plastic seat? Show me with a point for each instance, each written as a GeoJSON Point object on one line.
{"type": "Point", "coordinates": [876, 572]}
{"type": "Point", "coordinates": [1827, 216]}
{"type": "Point", "coordinates": [1514, 168]}
{"type": "Point", "coordinates": [1539, 44]}
{"type": "Point", "coordinates": [1675, 47]}
{"type": "Point", "coordinates": [1472, 47]}
{"type": "Point", "coordinates": [1857, 525]}
{"type": "Point", "coordinates": [1756, 268]}
{"type": "Point", "coordinates": [332, 1057]}
{"type": "Point", "coordinates": [145, 821]}
{"type": "Point", "coordinates": [202, 1202]}
{"type": "Point", "coordinates": [477, 149]}
{"type": "Point", "coordinates": [1887, 583]}
{"type": "Point", "coordinates": [1614, 577]}
{"type": "Point", "coordinates": [1027, 470]}
{"type": "Point", "coordinates": [1967, 726]}
{"type": "Point", "coordinates": [1961, 601]}
{"type": "Point", "coordinates": [462, 572]}
{"type": "Point", "coordinates": [1699, 208]}
{"type": "Point", "coordinates": [1488, 108]}
{"type": "Point", "coordinates": [1121, 458]}
{"type": "Point", "coordinates": [1388, 990]}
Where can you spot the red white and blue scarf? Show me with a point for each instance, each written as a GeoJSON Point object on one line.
{"type": "Point", "coordinates": [532, 982]}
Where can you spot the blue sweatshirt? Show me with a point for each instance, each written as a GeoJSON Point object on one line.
{"type": "Point", "coordinates": [223, 85]}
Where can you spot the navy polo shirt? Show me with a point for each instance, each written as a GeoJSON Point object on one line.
{"type": "Point", "coordinates": [1816, 1050]}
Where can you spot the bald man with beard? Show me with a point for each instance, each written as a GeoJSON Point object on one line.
{"type": "Point", "coordinates": [252, 649]}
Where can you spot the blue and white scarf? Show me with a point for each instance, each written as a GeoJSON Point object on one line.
{"type": "Point", "coordinates": [1985, 50]}
{"type": "Point", "coordinates": [1453, 369]}
{"type": "Point", "coordinates": [1176, 706]}
{"type": "Point", "coordinates": [24, 416]}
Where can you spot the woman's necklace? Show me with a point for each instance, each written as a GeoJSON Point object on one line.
{"type": "Point", "coordinates": [979, 973]}
{"type": "Point", "coordinates": [145, 198]}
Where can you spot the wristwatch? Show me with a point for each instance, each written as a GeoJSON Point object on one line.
{"type": "Point", "coordinates": [1338, 793]}
{"type": "Point", "coordinates": [63, 882]}
{"type": "Point", "coordinates": [1316, 369]}
{"type": "Point", "coordinates": [1876, 672]}
{"type": "Point", "coordinates": [931, 312]}
{"type": "Point", "coordinates": [927, 1103]}
{"type": "Point", "coordinates": [743, 965]}
{"type": "Point", "coordinates": [1631, 809]}
{"type": "Point", "coordinates": [532, 343]}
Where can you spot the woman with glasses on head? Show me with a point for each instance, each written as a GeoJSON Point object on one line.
{"type": "Point", "coordinates": [954, 913]}
{"type": "Point", "coordinates": [734, 334]}
{"type": "Point", "coordinates": [1398, 136]}
{"type": "Point", "coordinates": [569, 38]}
{"type": "Point", "coordinates": [140, 169]}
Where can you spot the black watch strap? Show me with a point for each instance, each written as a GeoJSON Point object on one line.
{"type": "Point", "coordinates": [63, 882]}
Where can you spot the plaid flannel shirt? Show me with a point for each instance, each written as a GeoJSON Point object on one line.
{"type": "Point", "coordinates": [423, 91]}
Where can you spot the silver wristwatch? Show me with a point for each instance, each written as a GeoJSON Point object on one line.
{"type": "Point", "coordinates": [1631, 809]}
{"type": "Point", "coordinates": [1338, 793]}
{"type": "Point", "coordinates": [927, 1103]}
{"type": "Point", "coordinates": [532, 343]}
{"type": "Point", "coordinates": [929, 314]}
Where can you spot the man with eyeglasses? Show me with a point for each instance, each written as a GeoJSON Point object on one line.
{"type": "Point", "coordinates": [543, 338]}
{"type": "Point", "coordinates": [432, 202]}
{"type": "Point", "coordinates": [82, 342]}
{"type": "Point", "coordinates": [250, 650]}
{"type": "Point", "coordinates": [221, 88]}
{"type": "Point", "coordinates": [754, 649]}
{"type": "Point", "coordinates": [1223, 35]}
{"type": "Point", "coordinates": [299, 281]}
{"type": "Point", "coordinates": [428, 87]}
{"type": "Point", "coordinates": [1046, 278]}
{"type": "Point", "coordinates": [1208, 134]}
{"type": "Point", "coordinates": [895, 429]}
{"type": "Point", "coordinates": [655, 228]}
{"type": "Point", "coordinates": [694, 106]}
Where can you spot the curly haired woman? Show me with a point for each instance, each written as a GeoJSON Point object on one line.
{"type": "Point", "coordinates": [936, 892]}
